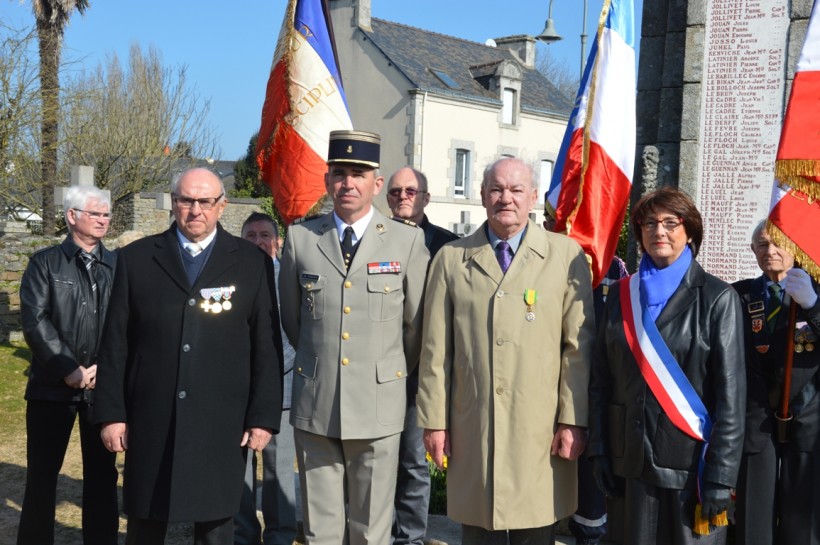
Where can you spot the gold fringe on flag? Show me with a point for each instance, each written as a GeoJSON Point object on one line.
{"type": "Point", "coordinates": [780, 239]}
{"type": "Point", "coordinates": [703, 527]}
{"type": "Point", "coordinates": [798, 174]}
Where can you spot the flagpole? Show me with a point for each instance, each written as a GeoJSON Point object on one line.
{"type": "Point", "coordinates": [783, 416]}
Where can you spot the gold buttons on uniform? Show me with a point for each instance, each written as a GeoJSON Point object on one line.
{"type": "Point", "coordinates": [308, 286]}
{"type": "Point", "coordinates": [348, 284]}
{"type": "Point", "coordinates": [345, 361]}
{"type": "Point", "coordinates": [299, 370]}
{"type": "Point", "coordinates": [347, 310]}
{"type": "Point", "coordinates": [398, 374]}
{"type": "Point", "coordinates": [387, 289]}
{"type": "Point", "coordinates": [345, 335]}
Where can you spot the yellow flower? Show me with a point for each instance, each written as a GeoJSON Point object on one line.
{"type": "Point", "coordinates": [430, 459]}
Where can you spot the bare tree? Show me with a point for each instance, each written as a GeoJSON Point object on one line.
{"type": "Point", "coordinates": [19, 121]}
{"type": "Point", "coordinates": [558, 73]}
{"type": "Point", "coordinates": [136, 126]}
{"type": "Point", "coordinates": [51, 17]}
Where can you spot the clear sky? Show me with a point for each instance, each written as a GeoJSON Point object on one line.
{"type": "Point", "coordinates": [228, 46]}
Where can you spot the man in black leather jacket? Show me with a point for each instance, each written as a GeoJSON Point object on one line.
{"type": "Point", "coordinates": [63, 299]}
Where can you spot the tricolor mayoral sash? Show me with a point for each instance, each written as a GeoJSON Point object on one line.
{"type": "Point", "coordinates": [665, 378]}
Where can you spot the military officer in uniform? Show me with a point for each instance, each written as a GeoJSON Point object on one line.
{"type": "Point", "coordinates": [778, 488]}
{"type": "Point", "coordinates": [352, 283]}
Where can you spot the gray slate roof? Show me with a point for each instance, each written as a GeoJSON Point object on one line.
{"type": "Point", "coordinates": [415, 51]}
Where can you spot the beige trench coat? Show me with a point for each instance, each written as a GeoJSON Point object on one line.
{"type": "Point", "coordinates": [500, 383]}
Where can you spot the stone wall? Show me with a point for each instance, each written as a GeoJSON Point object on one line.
{"type": "Point", "coordinates": [139, 213]}
{"type": "Point", "coordinates": [150, 213]}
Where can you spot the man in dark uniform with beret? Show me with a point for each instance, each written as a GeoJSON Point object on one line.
{"type": "Point", "coordinates": [352, 283]}
{"type": "Point", "coordinates": [778, 489]}
{"type": "Point", "coordinates": [407, 196]}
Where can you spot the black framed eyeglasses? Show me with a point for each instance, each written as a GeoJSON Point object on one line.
{"type": "Point", "coordinates": [669, 224]}
{"type": "Point", "coordinates": [95, 215]}
{"type": "Point", "coordinates": [205, 203]}
{"type": "Point", "coordinates": [410, 191]}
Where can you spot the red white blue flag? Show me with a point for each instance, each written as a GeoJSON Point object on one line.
{"type": "Point", "coordinates": [592, 179]}
{"type": "Point", "coordinates": [794, 216]}
{"type": "Point", "coordinates": [304, 101]}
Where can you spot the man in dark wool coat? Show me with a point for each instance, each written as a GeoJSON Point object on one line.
{"type": "Point", "coordinates": [190, 369]}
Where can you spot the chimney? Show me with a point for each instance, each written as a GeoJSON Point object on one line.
{"type": "Point", "coordinates": [360, 10]}
{"type": "Point", "coordinates": [522, 46]}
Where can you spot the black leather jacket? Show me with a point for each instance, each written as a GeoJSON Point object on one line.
{"type": "Point", "coordinates": [703, 328]}
{"type": "Point", "coordinates": [60, 324]}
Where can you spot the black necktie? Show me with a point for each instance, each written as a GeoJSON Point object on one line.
{"type": "Point", "coordinates": [348, 249]}
{"type": "Point", "coordinates": [775, 304]}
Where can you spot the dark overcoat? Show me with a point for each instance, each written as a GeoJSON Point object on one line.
{"type": "Point", "coordinates": [187, 381]}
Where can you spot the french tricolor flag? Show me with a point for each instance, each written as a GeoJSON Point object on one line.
{"type": "Point", "coordinates": [592, 179]}
{"type": "Point", "coordinates": [794, 217]}
{"type": "Point", "coordinates": [304, 101]}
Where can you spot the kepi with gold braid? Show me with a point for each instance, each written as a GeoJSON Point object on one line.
{"type": "Point", "coordinates": [356, 147]}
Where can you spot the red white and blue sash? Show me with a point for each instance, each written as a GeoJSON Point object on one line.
{"type": "Point", "coordinates": [660, 370]}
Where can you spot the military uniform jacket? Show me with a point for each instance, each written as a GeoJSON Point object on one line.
{"type": "Point", "coordinates": [500, 375]}
{"type": "Point", "coordinates": [764, 372]}
{"type": "Point", "coordinates": [356, 332]}
{"type": "Point", "coordinates": [186, 381]}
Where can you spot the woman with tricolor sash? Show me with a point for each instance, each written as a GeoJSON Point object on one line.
{"type": "Point", "coordinates": [667, 390]}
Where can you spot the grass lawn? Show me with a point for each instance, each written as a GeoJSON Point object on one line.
{"type": "Point", "coordinates": [14, 362]}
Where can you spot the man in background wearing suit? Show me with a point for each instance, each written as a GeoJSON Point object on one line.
{"type": "Point", "coordinates": [190, 368]}
{"type": "Point", "coordinates": [278, 476]}
{"type": "Point", "coordinates": [352, 286]}
{"type": "Point", "coordinates": [407, 197]}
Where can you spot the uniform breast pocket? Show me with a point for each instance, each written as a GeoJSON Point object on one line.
{"type": "Point", "coordinates": [385, 297]}
{"type": "Point", "coordinates": [313, 295]}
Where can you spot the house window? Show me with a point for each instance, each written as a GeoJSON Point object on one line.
{"type": "Point", "coordinates": [508, 108]}
{"type": "Point", "coordinates": [462, 173]}
{"type": "Point", "coordinates": [544, 179]}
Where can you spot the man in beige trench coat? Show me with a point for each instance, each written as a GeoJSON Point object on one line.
{"type": "Point", "coordinates": [505, 367]}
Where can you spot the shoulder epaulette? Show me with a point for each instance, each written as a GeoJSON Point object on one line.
{"type": "Point", "coordinates": [411, 223]}
{"type": "Point", "coordinates": [305, 218]}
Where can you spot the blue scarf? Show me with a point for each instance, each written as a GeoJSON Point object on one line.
{"type": "Point", "coordinates": [658, 285]}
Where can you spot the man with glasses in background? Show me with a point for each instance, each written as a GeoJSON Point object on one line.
{"type": "Point", "coordinates": [190, 368]}
{"type": "Point", "coordinates": [407, 196]}
{"type": "Point", "coordinates": [63, 300]}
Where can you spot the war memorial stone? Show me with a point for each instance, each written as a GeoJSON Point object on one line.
{"type": "Point", "coordinates": [713, 83]}
{"type": "Point", "coordinates": [743, 84]}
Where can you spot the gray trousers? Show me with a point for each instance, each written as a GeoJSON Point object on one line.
{"type": "Point", "coordinates": [412, 484]}
{"type": "Point", "coordinates": [279, 506]}
{"type": "Point", "coordinates": [359, 474]}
